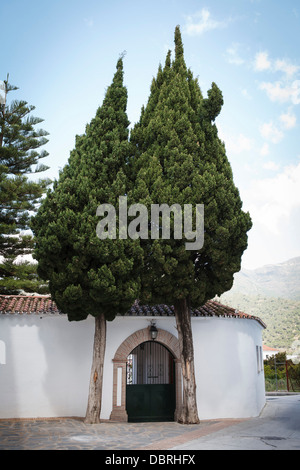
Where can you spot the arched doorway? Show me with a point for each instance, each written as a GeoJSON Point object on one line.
{"type": "Point", "coordinates": [164, 338]}
{"type": "Point", "coordinates": [150, 383]}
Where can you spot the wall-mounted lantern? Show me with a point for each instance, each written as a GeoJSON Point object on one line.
{"type": "Point", "coordinates": [153, 331]}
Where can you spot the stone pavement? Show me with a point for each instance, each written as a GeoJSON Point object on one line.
{"type": "Point", "coordinates": [73, 434]}
{"type": "Point", "coordinates": [277, 428]}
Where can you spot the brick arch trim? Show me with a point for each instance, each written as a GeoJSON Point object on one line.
{"type": "Point", "coordinates": [163, 337]}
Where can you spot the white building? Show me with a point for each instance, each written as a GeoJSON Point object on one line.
{"type": "Point", "coordinates": [269, 352]}
{"type": "Point", "coordinates": [45, 362]}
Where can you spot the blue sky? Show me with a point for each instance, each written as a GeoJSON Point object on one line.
{"type": "Point", "coordinates": [62, 56]}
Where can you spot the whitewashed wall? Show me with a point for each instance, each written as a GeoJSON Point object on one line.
{"type": "Point", "coordinates": [228, 382]}
{"type": "Point", "coordinates": [45, 364]}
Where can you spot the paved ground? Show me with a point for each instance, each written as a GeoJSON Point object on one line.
{"type": "Point", "coordinates": [68, 433]}
{"type": "Point", "coordinates": [277, 427]}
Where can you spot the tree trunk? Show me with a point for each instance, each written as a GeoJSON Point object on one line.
{"type": "Point", "coordinates": [189, 413]}
{"type": "Point", "coordinates": [96, 381]}
{"type": "Point", "coordinates": [3, 113]}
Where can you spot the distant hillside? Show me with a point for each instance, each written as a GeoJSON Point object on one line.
{"type": "Point", "coordinates": [273, 280]}
{"type": "Point", "coordinates": [273, 294]}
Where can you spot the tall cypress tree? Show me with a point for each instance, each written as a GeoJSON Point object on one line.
{"type": "Point", "coordinates": [89, 276]}
{"type": "Point", "coordinates": [179, 159]}
{"type": "Point", "coordinates": [20, 142]}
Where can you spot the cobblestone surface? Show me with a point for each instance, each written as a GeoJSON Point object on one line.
{"type": "Point", "coordinates": [74, 434]}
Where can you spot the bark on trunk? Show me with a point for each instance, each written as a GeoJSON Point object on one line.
{"type": "Point", "coordinates": [96, 379]}
{"type": "Point", "coordinates": [189, 413]}
{"type": "Point", "coordinates": [3, 113]}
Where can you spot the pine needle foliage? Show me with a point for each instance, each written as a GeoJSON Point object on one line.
{"type": "Point", "coordinates": [88, 275]}
{"type": "Point", "coordinates": [20, 155]}
{"type": "Point", "coordinates": [179, 159]}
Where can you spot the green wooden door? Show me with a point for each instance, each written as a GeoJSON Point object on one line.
{"type": "Point", "coordinates": [150, 390]}
{"type": "Point", "coordinates": [150, 402]}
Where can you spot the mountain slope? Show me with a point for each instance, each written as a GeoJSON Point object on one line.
{"type": "Point", "coordinates": [273, 280]}
{"type": "Point", "coordinates": [272, 293]}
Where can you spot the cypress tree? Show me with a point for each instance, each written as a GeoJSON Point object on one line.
{"type": "Point", "coordinates": [179, 159]}
{"type": "Point", "coordinates": [89, 276]}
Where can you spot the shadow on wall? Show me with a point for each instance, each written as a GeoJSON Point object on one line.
{"type": "Point", "coordinates": [8, 389]}
{"type": "Point", "coordinates": [68, 349]}
{"type": "Point", "coordinates": [45, 364]}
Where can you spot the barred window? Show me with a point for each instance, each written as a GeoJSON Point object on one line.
{"type": "Point", "coordinates": [259, 359]}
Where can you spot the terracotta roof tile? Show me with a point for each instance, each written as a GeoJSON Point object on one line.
{"type": "Point", "coordinates": [38, 304]}
{"type": "Point", "coordinates": [267, 348]}
{"type": "Point", "coordinates": [26, 304]}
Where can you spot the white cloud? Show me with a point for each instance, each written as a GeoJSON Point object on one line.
{"type": "Point", "coordinates": [239, 144]}
{"type": "Point", "coordinates": [262, 62]}
{"type": "Point", "coordinates": [284, 90]}
{"type": "Point", "coordinates": [288, 120]}
{"type": "Point", "coordinates": [286, 67]}
{"type": "Point", "coordinates": [232, 55]}
{"type": "Point", "coordinates": [201, 22]}
{"type": "Point", "coordinates": [282, 93]}
{"type": "Point", "coordinates": [272, 200]}
{"type": "Point", "coordinates": [271, 133]}
{"type": "Point", "coordinates": [265, 150]}
{"type": "Point", "coordinates": [274, 133]}
{"type": "Point", "coordinates": [246, 94]}
{"type": "Point", "coordinates": [271, 166]}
